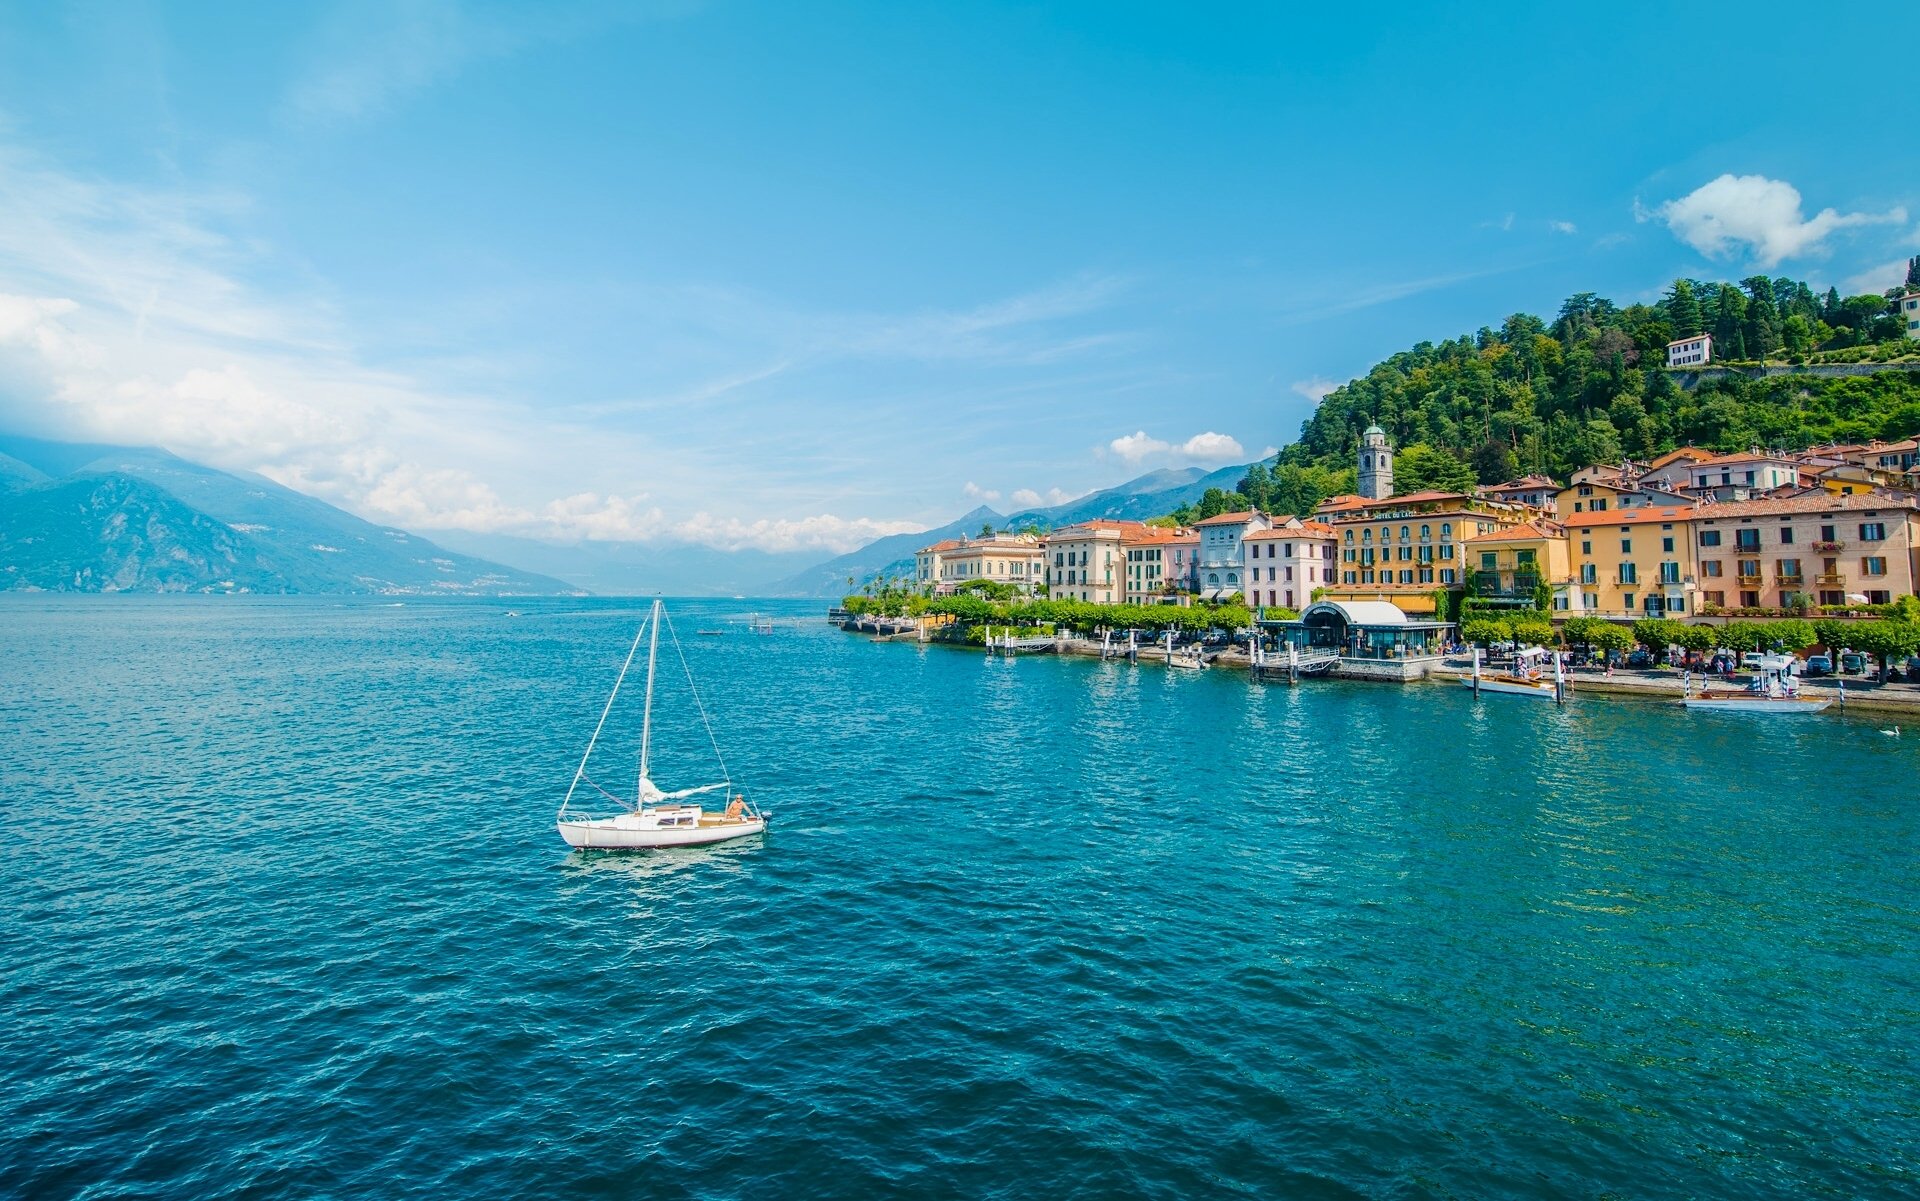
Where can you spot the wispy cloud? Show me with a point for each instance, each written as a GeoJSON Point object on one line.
{"type": "Point", "coordinates": [1761, 217]}
{"type": "Point", "coordinates": [1563, 227]}
{"type": "Point", "coordinates": [1314, 389]}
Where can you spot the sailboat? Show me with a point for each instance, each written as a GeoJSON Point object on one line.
{"type": "Point", "coordinates": [655, 818]}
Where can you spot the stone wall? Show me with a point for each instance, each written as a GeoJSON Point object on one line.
{"type": "Point", "coordinates": [1693, 377]}
{"type": "Point", "coordinates": [1397, 671]}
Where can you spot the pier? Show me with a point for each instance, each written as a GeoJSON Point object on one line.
{"type": "Point", "coordinates": [1274, 667]}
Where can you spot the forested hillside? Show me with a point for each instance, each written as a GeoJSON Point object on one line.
{"type": "Point", "coordinates": [1590, 386]}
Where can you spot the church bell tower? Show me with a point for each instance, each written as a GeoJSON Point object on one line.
{"type": "Point", "coordinates": [1376, 464]}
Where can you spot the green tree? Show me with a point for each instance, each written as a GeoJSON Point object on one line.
{"type": "Point", "coordinates": [1886, 640]}
{"type": "Point", "coordinates": [1494, 462]}
{"type": "Point", "coordinates": [1683, 309]}
{"type": "Point", "coordinates": [1913, 272]}
{"type": "Point", "coordinates": [1529, 630]}
{"type": "Point", "coordinates": [1421, 468]}
{"type": "Point", "coordinates": [1610, 639]}
{"type": "Point", "coordinates": [1484, 631]}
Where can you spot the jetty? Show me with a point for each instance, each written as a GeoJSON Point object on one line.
{"type": "Point", "coordinates": [1290, 666]}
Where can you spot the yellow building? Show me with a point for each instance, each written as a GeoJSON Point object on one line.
{"type": "Point", "coordinates": [1508, 565]}
{"type": "Point", "coordinates": [1635, 563]}
{"type": "Point", "coordinates": [1404, 548]}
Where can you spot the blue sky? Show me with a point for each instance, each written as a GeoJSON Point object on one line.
{"type": "Point", "coordinates": [792, 276]}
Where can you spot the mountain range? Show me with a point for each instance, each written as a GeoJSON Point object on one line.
{"type": "Point", "coordinates": [86, 518]}
{"type": "Point", "coordinates": [78, 517]}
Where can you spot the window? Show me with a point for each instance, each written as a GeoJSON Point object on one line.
{"type": "Point", "coordinates": [1366, 535]}
{"type": "Point", "coordinates": [1599, 504]}
{"type": "Point", "coordinates": [1589, 574]}
{"type": "Point", "coordinates": [1669, 573]}
{"type": "Point", "coordinates": [1426, 533]}
{"type": "Point", "coordinates": [1827, 534]}
{"type": "Point", "coordinates": [1790, 570]}
{"type": "Point", "coordinates": [1626, 546]}
{"type": "Point", "coordinates": [1489, 560]}
{"type": "Point", "coordinates": [1749, 600]}
{"type": "Point", "coordinates": [1746, 539]}
{"type": "Point", "coordinates": [1873, 531]}
{"type": "Point", "coordinates": [1715, 598]}
{"type": "Point", "coordinates": [1786, 535]}
{"type": "Point", "coordinates": [1403, 533]}
{"type": "Point", "coordinates": [1446, 575]}
{"type": "Point", "coordinates": [1626, 598]}
{"type": "Point", "coordinates": [1709, 537]}
{"type": "Point", "coordinates": [1446, 552]}
{"type": "Point", "coordinates": [1446, 530]}
{"type": "Point", "coordinates": [1629, 574]}
{"type": "Point", "coordinates": [1586, 547]}
{"type": "Point", "coordinates": [1710, 568]}
{"type": "Point", "coordinates": [1872, 565]}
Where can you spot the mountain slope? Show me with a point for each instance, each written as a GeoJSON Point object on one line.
{"type": "Point", "coordinates": [115, 533]}
{"type": "Point", "coordinates": [300, 544]}
{"type": "Point", "coordinates": [636, 568]}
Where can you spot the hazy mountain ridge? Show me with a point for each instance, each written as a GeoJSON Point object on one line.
{"type": "Point", "coordinates": [132, 519]}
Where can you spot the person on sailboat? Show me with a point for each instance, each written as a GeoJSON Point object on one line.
{"type": "Point", "coordinates": [737, 808]}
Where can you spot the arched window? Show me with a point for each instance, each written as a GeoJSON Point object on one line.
{"type": "Point", "coordinates": [1403, 533]}
{"type": "Point", "coordinates": [1426, 532]}
{"type": "Point", "coordinates": [1446, 529]}
{"type": "Point", "coordinates": [1366, 460]}
{"type": "Point", "coordinates": [1366, 535]}
{"type": "Point", "coordinates": [1213, 577]}
{"type": "Point", "coordinates": [1349, 535]}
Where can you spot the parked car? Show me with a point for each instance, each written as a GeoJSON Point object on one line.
{"type": "Point", "coordinates": [1640, 658]}
{"type": "Point", "coordinates": [1852, 663]}
{"type": "Point", "coordinates": [1913, 670]}
{"type": "Point", "coordinates": [1819, 665]}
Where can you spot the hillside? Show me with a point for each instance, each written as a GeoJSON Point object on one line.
{"type": "Point", "coordinates": [1592, 386]}
{"type": "Point", "coordinates": [129, 519]}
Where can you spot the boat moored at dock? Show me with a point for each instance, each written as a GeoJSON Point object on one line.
{"type": "Point", "coordinates": [1774, 690]}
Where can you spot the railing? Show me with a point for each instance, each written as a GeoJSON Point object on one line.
{"type": "Point", "coordinates": [1752, 579]}
{"type": "Point", "coordinates": [1829, 548]}
{"type": "Point", "coordinates": [1831, 578]}
{"type": "Point", "coordinates": [1790, 581]}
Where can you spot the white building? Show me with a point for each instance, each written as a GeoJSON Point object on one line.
{"type": "Point", "coordinates": [1088, 561]}
{"type": "Point", "coordinates": [1160, 564]}
{"type": "Point", "coordinates": [1002, 558]}
{"type": "Point", "coordinates": [929, 562]}
{"type": "Point", "coordinates": [1690, 352]}
{"type": "Point", "coordinates": [1286, 563]}
{"type": "Point", "coordinates": [1910, 313]}
{"type": "Point", "coordinates": [1223, 557]}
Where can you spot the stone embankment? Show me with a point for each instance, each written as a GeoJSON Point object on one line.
{"type": "Point", "coordinates": [1665, 684]}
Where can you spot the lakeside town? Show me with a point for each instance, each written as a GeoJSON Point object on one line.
{"type": "Point", "coordinates": [1813, 553]}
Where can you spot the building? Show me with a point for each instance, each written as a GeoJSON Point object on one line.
{"type": "Point", "coordinates": [1286, 563]}
{"type": "Point", "coordinates": [1742, 476]}
{"type": "Point", "coordinates": [1223, 559]}
{"type": "Point", "coordinates": [1909, 310]}
{"type": "Point", "coordinates": [1404, 548]}
{"type": "Point", "coordinates": [928, 562]}
{"type": "Point", "coordinates": [1508, 565]}
{"type": "Point", "coordinates": [1669, 471]}
{"type": "Point", "coordinates": [1088, 561]}
{"type": "Point", "coordinates": [1001, 558]}
{"type": "Point", "coordinates": [1536, 490]}
{"type": "Point", "coordinates": [1375, 640]}
{"type": "Point", "coordinates": [1161, 565]}
{"type": "Point", "coordinates": [1816, 548]}
{"type": "Point", "coordinates": [1634, 563]}
{"type": "Point", "coordinates": [1690, 352]}
{"type": "Point", "coordinates": [1376, 464]}
{"type": "Point", "coordinates": [1602, 494]}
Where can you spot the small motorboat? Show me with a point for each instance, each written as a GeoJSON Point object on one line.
{"type": "Point", "coordinates": [1774, 690]}
{"type": "Point", "coordinates": [711, 633]}
{"type": "Point", "coordinates": [1528, 676]}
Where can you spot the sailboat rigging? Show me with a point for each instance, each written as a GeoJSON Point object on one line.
{"type": "Point", "coordinates": [653, 819]}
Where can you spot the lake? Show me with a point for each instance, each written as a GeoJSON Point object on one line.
{"type": "Point", "coordinates": [287, 916]}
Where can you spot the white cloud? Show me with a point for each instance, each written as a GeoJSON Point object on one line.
{"type": "Point", "coordinates": [1563, 227]}
{"type": "Point", "coordinates": [1027, 498]}
{"type": "Point", "coordinates": [974, 491]}
{"type": "Point", "coordinates": [1760, 215]}
{"type": "Point", "coordinates": [1209, 447]}
{"type": "Point", "coordinates": [1315, 389]}
{"type": "Point", "coordinates": [825, 532]}
{"type": "Point", "coordinates": [1878, 279]}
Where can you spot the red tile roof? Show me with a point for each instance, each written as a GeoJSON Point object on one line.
{"type": "Point", "coordinates": [1539, 527]}
{"type": "Point", "coordinates": [1229, 518]}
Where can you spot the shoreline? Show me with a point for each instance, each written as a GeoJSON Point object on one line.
{"type": "Point", "coordinates": [1640, 684]}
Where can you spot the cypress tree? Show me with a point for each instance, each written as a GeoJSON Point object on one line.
{"type": "Point", "coordinates": [1913, 272]}
{"type": "Point", "coordinates": [1683, 310]}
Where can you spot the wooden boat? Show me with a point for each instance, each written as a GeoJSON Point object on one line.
{"type": "Point", "coordinates": [651, 819]}
{"type": "Point", "coordinates": [1774, 690]}
{"type": "Point", "coordinates": [1528, 677]}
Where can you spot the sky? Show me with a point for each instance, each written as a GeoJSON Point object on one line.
{"type": "Point", "coordinates": [791, 276]}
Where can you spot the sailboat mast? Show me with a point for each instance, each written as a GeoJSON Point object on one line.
{"type": "Point", "coordinates": [646, 719]}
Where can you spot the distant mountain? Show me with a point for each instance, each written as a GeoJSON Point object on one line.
{"type": "Point", "coordinates": [637, 568]}
{"type": "Point", "coordinates": [1151, 495]}
{"type": "Point", "coordinates": [875, 558]}
{"type": "Point", "coordinates": [131, 519]}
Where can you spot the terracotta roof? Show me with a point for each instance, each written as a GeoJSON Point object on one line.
{"type": "Point", "coordinates": [1097, 527]}
{"type": "Point", "coordinates": [1650, 514]}
{"type": "Point", "coordinates": [1690, 338]}
{"type": "Point", "coordinates": [1334, 504]}
{"type": "Point", "coordinates": [936, 548]}
{"type": "Point", "coordinates": [1240, 518]}
{"type": "Point", "coordinates": [1693, 453]}
{"type": "Point", "coordinates": [1306, 529]}
{"type": "Point", "coordinates": [1539, 527]}
{"type": "Point", "coordinates": [1411, 498]}
{"type": "Point", "coordinates": [1817, 501]}
{"type": "Point", "coordinates": [1157, 535]}
{"type": "Point", "coordinates": [1745, 456]}
{"type": "Point", "coordinates": [1526, 483]}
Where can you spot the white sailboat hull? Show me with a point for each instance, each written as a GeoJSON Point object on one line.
{"type": "Point", "coordinates": [1512, 687]}
{"type": "Point", "coordinates": [642, 831]}
{"type": "Point", "coordinates": [1757, 704]}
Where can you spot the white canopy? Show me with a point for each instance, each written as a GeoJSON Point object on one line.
{"type": "Point", "coordinates": [1360, 613]}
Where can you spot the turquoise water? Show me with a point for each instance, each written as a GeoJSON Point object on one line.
{"type": "Point", "coordinates": [287, 916]}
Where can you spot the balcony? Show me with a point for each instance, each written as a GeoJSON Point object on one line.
{"type": "Point", "coordinates": [1749, 580]}
{"type": "Point", "coordinates": [1828, 548]}
{"type": "Point", "coordinates": [1831, 579]}
{"type": "Point", "coordinates": [1518, 585]}
{"type": "Point", "coordinates": [1790, 581]}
